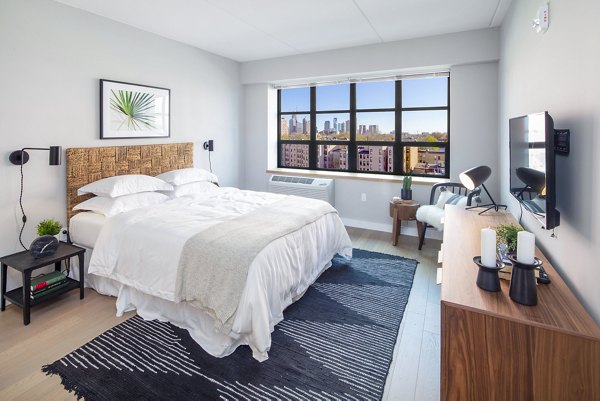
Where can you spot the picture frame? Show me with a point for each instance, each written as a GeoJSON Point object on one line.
{"type": "Point", "coordinates": [129, 110]}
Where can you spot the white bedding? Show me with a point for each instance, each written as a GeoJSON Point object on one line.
{"type": "Point", "coordinates": [85, 227]}
{"type": "Point", "coordinates": [137, 253]}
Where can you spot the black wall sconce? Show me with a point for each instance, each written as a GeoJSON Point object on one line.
{"type": "Point", "coordinates": [208, 145]}
{"type": "Point", "coordinates": [20, 157]}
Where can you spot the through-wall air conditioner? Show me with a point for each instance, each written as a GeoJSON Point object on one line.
{"type": "Point", "coordinates": [316, 188]}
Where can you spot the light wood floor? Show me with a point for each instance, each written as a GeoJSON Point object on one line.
{"type": "Point", "coordinates": [67, 323]}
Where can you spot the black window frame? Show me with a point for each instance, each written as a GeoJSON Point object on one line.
{"type": "Point", "coordinates": [399, 146]}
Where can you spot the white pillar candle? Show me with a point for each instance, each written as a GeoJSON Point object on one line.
{"type": "Point", "coordinates": [525, 247]}
{"type": "Point", "coordinates": [488, 247]}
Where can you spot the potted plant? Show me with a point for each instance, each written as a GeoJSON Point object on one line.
{"type": "Point", "coordinates": [47, 242]}
{"type": "Point", "coordinates": [506, 238]}
{"type": "Point", "coordinates": [406, 192]}
{"type": "Point", "coordinates": [49, 227]}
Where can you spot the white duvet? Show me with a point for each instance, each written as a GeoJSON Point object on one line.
{"type": "Point", "coordinates": [140, 251]}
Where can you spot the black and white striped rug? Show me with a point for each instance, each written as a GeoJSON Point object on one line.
{"type": "Point", "coordinates": [336, 343]}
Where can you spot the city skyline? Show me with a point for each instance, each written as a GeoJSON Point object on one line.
{"type": "Point", "coordinates": [300, 124]}
{"type": "Point", "coordinates": [430, 92]}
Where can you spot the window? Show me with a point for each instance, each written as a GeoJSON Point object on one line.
{"type": "Point", "coordinates": [382, 127]}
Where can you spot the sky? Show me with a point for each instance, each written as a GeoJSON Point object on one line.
{"type": "Point", "coordinates": [426, 92]}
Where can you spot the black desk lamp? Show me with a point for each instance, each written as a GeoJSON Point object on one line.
{"type": "Point", "coordinates": [20, 157]}
{"type": "Point", "coordinates": [533, 179]}
{"type": "Point", "coordinates": [475, 177]}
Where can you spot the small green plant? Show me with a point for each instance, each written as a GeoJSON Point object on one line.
{"type": "Point", "coordinates": [407, 180]}
{"type": "Point", "coordinates": [507, 234]}
{"type": "Point", "coordinates": [48, 227]}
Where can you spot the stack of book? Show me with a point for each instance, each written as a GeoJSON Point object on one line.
{"type": "Point", "coordinates": [47, 284]}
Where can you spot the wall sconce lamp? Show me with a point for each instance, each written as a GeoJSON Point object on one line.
{"type": "Point", "coordinates": [209, 145]}
{"type": "Point", "coordinates": [476, 177]}
{"type": "Point", "coordinates": [20, 157]}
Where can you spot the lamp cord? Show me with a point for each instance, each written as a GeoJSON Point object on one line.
{"type": "Point", "coordinates": [24, 218]}
{"type": "Point", "coordinates": [521, 216]}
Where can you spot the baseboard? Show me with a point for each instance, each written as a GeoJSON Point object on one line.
{"type": "Point", "coordinates": [387, 228]}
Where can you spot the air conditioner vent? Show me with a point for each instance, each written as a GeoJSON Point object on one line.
{"type": "Point", "coordinates": [316, 188]}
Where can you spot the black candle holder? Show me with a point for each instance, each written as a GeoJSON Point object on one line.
{"type": "Point", "coordinates": [487, 277]}
{"type": "Point", "coordinates": [523, 289]}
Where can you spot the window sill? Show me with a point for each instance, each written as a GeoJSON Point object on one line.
{"type": "Point", "coordinates": [354, 176]}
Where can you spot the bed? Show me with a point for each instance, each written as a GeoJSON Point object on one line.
{"type": "Point", "coordinates": [141, 274]}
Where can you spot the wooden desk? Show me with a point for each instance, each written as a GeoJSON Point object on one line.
{"type": "Point", "coordinates": [496, 349]}
{"type": "Point", "coordinates": [403, 211]}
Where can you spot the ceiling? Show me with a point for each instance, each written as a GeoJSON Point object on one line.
{"type": "Point", "coordinates": [245, 30]}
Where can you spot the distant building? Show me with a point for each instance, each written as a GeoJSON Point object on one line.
{"type": "Point", "coordinates": [293, 124]}
{"type": "Point", "coordinates": [333, 157]}
{"type": "Point", "coordinates": [373, 129]}
{"type": "Point", "coordinates": [338, 158]}
{"type": "Point", "coordinates": [430, 161]}
{"type": "Point", "coordinates": [335, 124]}
{"type": "Point", "coordinates": [375, 158]}
{"type": "Point", "coordinates": [363, 159]}
{"type": "Point", "coordinates": [293, 155]}
{"type": "Point", "coordinates": [327, 126]}
{"type": "Point", "coordinates": [305, 126]}
{"type": "Point", "coordinates": [432, 156]}
{"type": "Point", "coordinates": [411, 158]}
{"type": "Point", "coordinates": [283, 124]}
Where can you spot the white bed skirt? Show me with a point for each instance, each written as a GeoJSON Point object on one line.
{"type": "Point", "coordinates": [258, 311]}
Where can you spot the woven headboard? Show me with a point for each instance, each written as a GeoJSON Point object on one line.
{"type": "Point", "coordinates": [85, 165]}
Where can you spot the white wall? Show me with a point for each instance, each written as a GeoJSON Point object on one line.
{"type": "Point", "coordinates": [473, 112]}
{"type": "Point", "coordinates": [51, 59]}
{"type": "Point", "coordinates": [558, 72]}
{"type": "Point", "coordinates": [452, 49]}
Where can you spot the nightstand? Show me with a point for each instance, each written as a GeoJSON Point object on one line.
{"type": "Point", "coordinates": [25, 263]}
{"type": "Point", "coordinates": [404, 210]}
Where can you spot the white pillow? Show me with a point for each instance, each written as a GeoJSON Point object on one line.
{"type": "Point", "coordinates": [124, 185]}
{"type": "Point", "coordinates": [111, 206]}
{"type": "Point", "coordinates": [187, 175]}
{"type": "Point", "coordinates": [449, 198]}
{"type": "Point", "coordinates": [191, 189]}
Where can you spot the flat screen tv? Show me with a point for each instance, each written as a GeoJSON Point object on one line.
{"type": "Point", "coordinates": [532, 166]}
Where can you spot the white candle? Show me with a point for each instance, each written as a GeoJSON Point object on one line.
{"type": "Point", "coordinates": [488, 247]}
{"type": "Point", "coordinates": [525, 247]}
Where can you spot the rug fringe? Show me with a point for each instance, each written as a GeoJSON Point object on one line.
{"type": "Point", "coordinates": [70, 386]}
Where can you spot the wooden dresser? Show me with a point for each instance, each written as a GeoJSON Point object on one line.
{"type": "Point", "coordinates": [494, 349]}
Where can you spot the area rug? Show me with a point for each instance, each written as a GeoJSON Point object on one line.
{"type": "Point", "coordinates": [335, 343]}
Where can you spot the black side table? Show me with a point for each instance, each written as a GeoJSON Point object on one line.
{"type": "Point", "coordinates": [25, 263]}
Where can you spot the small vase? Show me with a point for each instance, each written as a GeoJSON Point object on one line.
{"type": "Point", "coordinates": [406, 194]}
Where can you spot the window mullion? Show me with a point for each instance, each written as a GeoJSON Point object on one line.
{"type": "Point", "coordinates": [279, 152]}
{"type": "Point", "coordinates": [352, 148]}
{"type": "Point", "coordinates": [313, 150]}
{"type": "Point", "coordinates": [398, 150]}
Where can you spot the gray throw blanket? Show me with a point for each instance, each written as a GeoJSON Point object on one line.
{"type": "Point", "coordinates": [214, 263]}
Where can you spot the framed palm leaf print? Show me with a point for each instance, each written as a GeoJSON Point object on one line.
{"type": "Point", "coordinates": [133, 111]}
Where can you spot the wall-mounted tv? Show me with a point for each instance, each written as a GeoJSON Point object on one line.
{"type": "Point", "coordinates": [532, 166]}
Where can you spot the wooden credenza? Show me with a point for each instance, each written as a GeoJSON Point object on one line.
{"type": "Point", "coordinates": [494, 349]}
